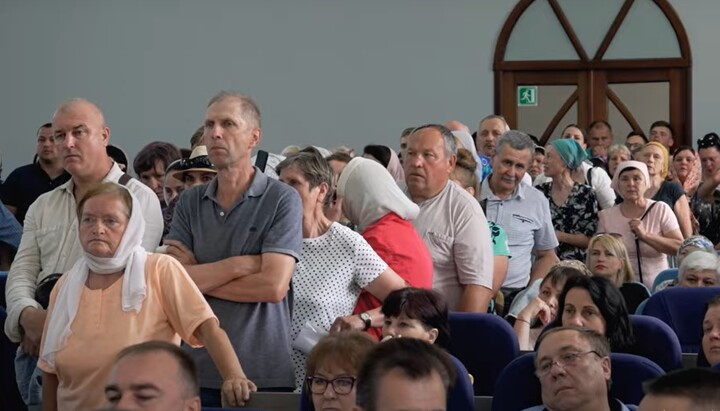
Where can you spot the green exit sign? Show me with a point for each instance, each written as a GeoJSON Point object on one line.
{"type": "Point", "coordinates": [527, 96]}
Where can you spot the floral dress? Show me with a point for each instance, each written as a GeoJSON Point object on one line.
{"type": "Point", "coordinates": [578, 215]}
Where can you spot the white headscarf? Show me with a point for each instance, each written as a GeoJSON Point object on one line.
{"type": "Point", "coordinates": [130, 255]}
{"type": "Point", "coordinates": [369, 193]}
{"type": "Point", "coordinates": [466, 140]}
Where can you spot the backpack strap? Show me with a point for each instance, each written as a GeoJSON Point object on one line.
{"type": "Point", "coordinates": [124, 179]}
{"type": "Point", "coordinates": [261, 160]}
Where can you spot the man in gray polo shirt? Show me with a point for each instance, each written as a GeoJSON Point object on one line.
{"type": "Point", "coordinates": [521, 210]}
{"type": "Point", "coordinates": [239, 237]}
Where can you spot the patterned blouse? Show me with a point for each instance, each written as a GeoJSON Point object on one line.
{"type": "Point", "coordinates": [578, 215]}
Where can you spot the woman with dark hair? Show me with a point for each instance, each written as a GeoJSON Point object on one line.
{"type": "Point", "coordinates": [332, 367]}
{"type": "Point", "coordinates": [710, 353]}
{"type": "Point", "coordinates": [595, 303]}
{"type": "Point", "coordinates": [685, 169]}
{"type": "Point", "coordinates": [416, 313]}
{"type": "Point", "coordinates": [541, 310]}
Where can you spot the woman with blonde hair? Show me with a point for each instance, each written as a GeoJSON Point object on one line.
{"type": "Point", "coordinates": [607, 257]}
{"type": "Point", "coordinates": [656, 158]}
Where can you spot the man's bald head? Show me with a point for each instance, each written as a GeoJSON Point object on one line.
{"type": "Point", "coordinates": [85, 106]}
{"type": "Point", "coordinates": [454, 125]}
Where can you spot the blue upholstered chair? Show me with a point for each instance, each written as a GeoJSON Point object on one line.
{"type": "Point", "coordinates": [518, 388]}
{"type": "Point", "coordinates": [664, 275]}
{"type": "Point", "coordinates": [656, 341]}
{"type": "Point", "coordinates": [683, 310]}
{"type": "Point", "coordinates": [485, 344]}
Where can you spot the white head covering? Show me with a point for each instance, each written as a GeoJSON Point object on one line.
{"type": "Point", "coordinates": [129, 256]}
{"type": "Point", "coordinates": [466, 140]}
{"type": "Point", "coordinates": [369, 193]}
{"type": "Point", "coordinates": [629, 164]}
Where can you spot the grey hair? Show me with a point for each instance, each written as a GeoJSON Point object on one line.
{"type": "Point", "coordinates": [495, 117]}
{"type": "Point", "coordinates": [517, 140]}
{"type": "Point", "coordinates": [447, 135]}
{"type": "Point", "coordinates": [699, 260]}
{"type": "Point", "coordinates": [250, 110]}
{"type": "Point", "coordinates": [619, 147]}
{"type": "Point", "coordinates": [314, 168]}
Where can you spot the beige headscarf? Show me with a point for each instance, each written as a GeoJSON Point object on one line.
{"type": "Point", "coordinates": [369, 193]}
{"type": "Point", "coordinates": [394, 166]}
{"type": "Point", "coordinates": [130, 255]}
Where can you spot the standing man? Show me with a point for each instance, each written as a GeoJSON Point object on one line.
{"type": "Point", "coordinates": [403, 142]}
{"type": "Point", "coordinates": [150, 164]}
{"type": "Point", "coordinates": [601, 138]}
{"type": "Point", "coordinates": [489, 131]}
{"type": "Point", "coordinates": [450, 222]}
{"type": "Point", "coordinates": [239, 238]}
{"type": "Point", "coordinates": [705, 203]}
{"type": "Point", "coordinates": [521, 210]}
{"type": "Point", "coordinates": [50, 242]}
{"type": "Point", "coordinates": [662, 132]}
{"type": "Point", "coordinates": [25, 184]}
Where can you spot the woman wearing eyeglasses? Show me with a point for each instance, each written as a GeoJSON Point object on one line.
{"type": "Point", "coordinates": [332, 368]}
{"type": "Point", "coordinates": [649, 229]}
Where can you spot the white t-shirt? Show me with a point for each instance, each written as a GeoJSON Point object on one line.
{"type": "Point", "coordinates": [332, 271]}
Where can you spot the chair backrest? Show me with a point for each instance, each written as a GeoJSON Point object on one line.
{"type": "Point", "coordinates": [664, 275]}
{"type": "Point", "coordinates": [629, 372]}
{"type": "Point", "coordinates": [485, 344]}
{"type": "Point", "coordinates": [518, 388]}
{"type": "Point", "coordinates": [461, 395]}
{"type": "Point", "coordinates": [634, 293]}
{"type": "Point", "coordinates": [10, 398]}
{"type": "Point", "coordinates": [656, 341]}
{"type": "Point", "coordinates": [683, 310]}
{"type": "Point", "coordinates": [3, 280]}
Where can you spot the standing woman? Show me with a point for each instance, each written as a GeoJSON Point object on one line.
{"type": "Point", "coordinates": [648, 225]}
{"type": "Point", "coordinates": [656, 158]}
{"type": "Point", "coordinates": [684, 169]}
{"type": "Point", "coordinates": [118, 295]}
{"type": "Point", "coordinates": [573, 206]}
{"type": "Point", "coordinates": [617, 153]}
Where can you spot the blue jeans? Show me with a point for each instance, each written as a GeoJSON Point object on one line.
{"type": "Point", "coordinates": [28, 377]}
{"type": "Point", "coordinates": [211, 397]}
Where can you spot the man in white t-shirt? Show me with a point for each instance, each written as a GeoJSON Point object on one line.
{"type": "Point", "coordinates": [451, 222]}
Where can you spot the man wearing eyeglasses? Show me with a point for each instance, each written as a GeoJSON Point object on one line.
{"type": "Point", "coordinates": [573, 366]}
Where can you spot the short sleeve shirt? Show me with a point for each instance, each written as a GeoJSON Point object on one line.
{"type": "Point", "coordinates": [265, 219]}
{"type": "Point", "coordinates": [328, 279]}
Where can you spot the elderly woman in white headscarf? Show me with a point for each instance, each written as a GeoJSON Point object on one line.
{"type": "Point", "coordinates": [649, 229]}
{"type": "Point", "coordinates": [382, 213]}
{"type": "Point", "coordinates": [117, 295]}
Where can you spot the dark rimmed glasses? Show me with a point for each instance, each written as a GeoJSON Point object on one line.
{"type": "Point", "coordinates": [341, 385]}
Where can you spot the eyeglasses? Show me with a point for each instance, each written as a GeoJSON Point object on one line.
{"type": "Point", "coordinates": [564, 361]}
{"type": "Point", "coordinates": [709, 140]}
{"type": "Point", "coordinates": [341, 385]}
{"type": "Point", "coordinates": [197, 162]}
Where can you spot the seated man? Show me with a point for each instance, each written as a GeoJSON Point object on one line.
{"type": "Point", "coordinates": [171, 382]}
{"type": "Point", "coordinates": [689, 389]}
{"type": "Point", "coordinates": [573, 366]}
{"type": "Point", "coordinates": [404, 374]}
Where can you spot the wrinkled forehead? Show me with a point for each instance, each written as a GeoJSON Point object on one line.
{"type": "Point", "coordinates": [560, 342]}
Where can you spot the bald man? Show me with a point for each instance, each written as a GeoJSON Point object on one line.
{"type": "Point", "coordinates": [50, 241]}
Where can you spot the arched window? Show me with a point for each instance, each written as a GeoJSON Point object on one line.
{"type": "Point", "coordinates": [575, 61]}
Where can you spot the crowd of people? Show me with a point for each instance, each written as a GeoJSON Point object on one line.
{"type": "Point", "coordinates": [316, 270]}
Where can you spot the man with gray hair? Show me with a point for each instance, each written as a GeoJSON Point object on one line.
{"type": "Point", "coordinates": [239, 238]}
{"type": "Point", "coordinates": [450, 222]}
{"type": "Point", "coordinates": [521, 210]}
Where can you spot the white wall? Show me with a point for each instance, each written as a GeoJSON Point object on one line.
{"type": "Point", "coordinates": [327, 72]}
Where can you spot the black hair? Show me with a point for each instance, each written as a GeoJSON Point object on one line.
{"type": "Point", "coordinates": [426, 306]}
{"type": "Point", "coordinates": [381, 153]}
{"type": "Point", "coordinates": [663, 123]}
{"type": "Point", "coordinates": [701, 386]}
{"type": "Point", "coordinates": [151, 153]}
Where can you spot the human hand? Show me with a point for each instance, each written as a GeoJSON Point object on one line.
{"type": "Point", "coordinates": [236, 391]}
{"type": "Point", "coordinates": [180, 252]}
{"type": "Point", "coordinates": [32, 321]}
{"type": "Point", "coordinates": [346, 323]}
{"type": "Point", "coordinates": [637, 228]}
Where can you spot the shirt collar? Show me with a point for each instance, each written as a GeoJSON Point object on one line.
{"type": "Point", "coordinates": [487, 194]}
{"type": "Point", "coordinates": [257, 186]}
{"type": "Point", "coordinates": [112, 176]}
